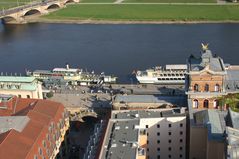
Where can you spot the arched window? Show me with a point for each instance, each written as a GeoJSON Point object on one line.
{"type": "Point", "coordinates": [195, 103]}
{"type": "Point", "coordinates": [217, 88]}
{"type": "Point", "coordinates": [195, 87]}
{"type": "Point", "coordinates": [215, 104]}
{"type": "Point", "coordinates": [205, 103]}
{"type": "Point", "coordinates": [206, 88]}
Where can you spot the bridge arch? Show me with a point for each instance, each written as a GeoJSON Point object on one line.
{"type": "Point", "coordinates": [53, 6]}
{"type": "Point", "coordinates": [69, 1]}
{"type": "Point", "coordinates": [32, 12]}
{"type": "Point", "coordinates": [8, 19]}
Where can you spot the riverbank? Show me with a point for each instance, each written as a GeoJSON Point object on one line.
{"type": "Point", "coordinates": [140, 13]}
{"type": "Point", "coordinates": [90, 21]}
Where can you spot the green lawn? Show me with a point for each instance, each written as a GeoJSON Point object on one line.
{"type": "Point", "coordinates": [148, 12]}
{"type": "Point", "coordinates": [170, 1]}
{"type": "Point", "coordinates": [97, 1]}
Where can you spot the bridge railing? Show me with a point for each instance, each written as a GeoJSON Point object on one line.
{"type": "Point", "coordinates": [5, 12]}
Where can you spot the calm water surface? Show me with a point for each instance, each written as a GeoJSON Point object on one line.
{"type": "Point", "coordinates": [114, 49]}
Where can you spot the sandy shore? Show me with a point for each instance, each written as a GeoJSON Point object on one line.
{"type": "Point", "coordinates": [90, 21]}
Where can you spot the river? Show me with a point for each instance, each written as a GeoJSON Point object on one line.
{"type": "Point", "coordinates": [113, 49]}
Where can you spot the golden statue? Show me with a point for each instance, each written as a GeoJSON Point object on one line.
{"type": "Point", "coordinates": [204, 46]}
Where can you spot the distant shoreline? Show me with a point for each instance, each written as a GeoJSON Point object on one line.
{"type": "Point", "coordinates": [90, 21]}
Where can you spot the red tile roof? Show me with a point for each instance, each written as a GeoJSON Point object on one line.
{"type": "Point", "coordinates": [21, 145]}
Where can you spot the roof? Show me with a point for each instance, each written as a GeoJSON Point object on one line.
{"type": "Point", "coordinates": [17, 123]}
{"type": "Point", "coordinates": [214, 63]}
{"type": "Point", "coordinates": [31, 119]}
{"type": "Point", "coordinates": [42, 71]}
{"type": "Point", "coordinates": [214, 121]}
{"type": "Point", "coordinates": [17, 79]}
{"type": "Point", "coordinates": [149, 113]}
{"type": "Point", "coordinates": [122, 136]}
{"type": "Point", "coordinates": [176, 67]}
{"type": "Point", "coordinates": [175, 100]}
{"type": "Point", "coordinates": [65, 70]}
{"type": "Point", "coordinates": [120, 140]}
{"type": "Point", "coordinates": [232, 81]}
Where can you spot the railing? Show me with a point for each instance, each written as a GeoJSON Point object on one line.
{"type": "Point", "coordinates": [20, 8]}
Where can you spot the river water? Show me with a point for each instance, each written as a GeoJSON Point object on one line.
{"type": "Point", "coordinates": [113, 49]}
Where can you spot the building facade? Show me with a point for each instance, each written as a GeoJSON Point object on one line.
{"type": "Point", "coordinates": [23, 87]}
{"type": "Point", "coordinates": [205, 80]}
{"type": "Point", "coordinates": [32, 129]}
{"type": "Point", "coordinates": [145, 134]}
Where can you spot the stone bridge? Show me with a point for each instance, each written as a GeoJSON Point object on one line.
{"type": "Point", "coordinates": [20, 14]}
{"type": "Point", "coordinates": [77, 114]}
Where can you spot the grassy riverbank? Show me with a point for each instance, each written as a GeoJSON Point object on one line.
{"type": "Point", "coordinates": [147, 12]}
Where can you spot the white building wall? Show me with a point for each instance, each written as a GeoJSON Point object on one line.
{"type": "Point", "coordinates": [159, 135]}
{"type": "Point", "coordinates": [36, 94]}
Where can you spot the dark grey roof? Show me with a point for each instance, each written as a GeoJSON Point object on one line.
{"type": "Point", "coordinates": [174, 100]}
{"type": "Point", "coordinates": [214, 121]}
{"type": "Point", "coordinates": [215, 63]}
{"type": "Point", "coordinates": [122, 140]}
{"type": "Point", "coordinates": [150, 113]}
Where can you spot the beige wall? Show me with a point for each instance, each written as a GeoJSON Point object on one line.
{"type": "Point", "coordinates": [164, 137]}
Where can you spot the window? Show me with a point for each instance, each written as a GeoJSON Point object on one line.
{"type": "Point", "coordinates": [215, 104]}
{"type": "Point", "coordinates": [195, 87]}
{"type": "Point", "coordinates": [158, 133]}
{"type": "Point", "coordinates": [147, 149]}
{"type": "Point", "coordinates": [147, 141]}
{"type": "Point", "coordinates": [44, 143]}
{"type": "Point", "coordinates": [158, 141]}
{"type": "Point", "coordinates": [158, 126]}
{"type": "Point", "coordinates": [146, 126]}
{"type": "Point", "coordinates": [169, 156]}
{"type": "Point", "coordinates": [181, 125]}
{"type": "Point", "coordinates": [169, 133]}
{"type": "Point", "coordinates": [158, 156]}
{"type": "Point", "coordinates": [206, 88]}
{"type": "Point", "coordinates": [169, 148]}
{"type": "Point", "coordinates": [205, 103]}
{"type": "Point", "coordinates": [180, 156]}
{"type": "Point", "coordinates": [169, 125]}
{"type": "Point", "coordinates": [181, 133]}
{"type": "Point", "coordinates": [195, 103]}
{"type": "Point", "coordinates": [40, 151]}
{"type": "Point", "coordinates": [180, 148]}
{"type": "Point", "coordinates": [169, 141]}
{"type": "Point", "coordinates": [158, 149]}
{"type": "Point", "coordinates": [181, 140]}
{"type": "Point", "coordinates": [217, 88]}
{"type": "Point", "coordinates": [28, 96]}
{"type": "Point", "coordinates": [147, 134]}
{"type": "Point", "coordinates": [19, 96]}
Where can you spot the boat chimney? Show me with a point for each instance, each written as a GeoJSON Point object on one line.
{"type": "Point", "coordinates": [67, 66]}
